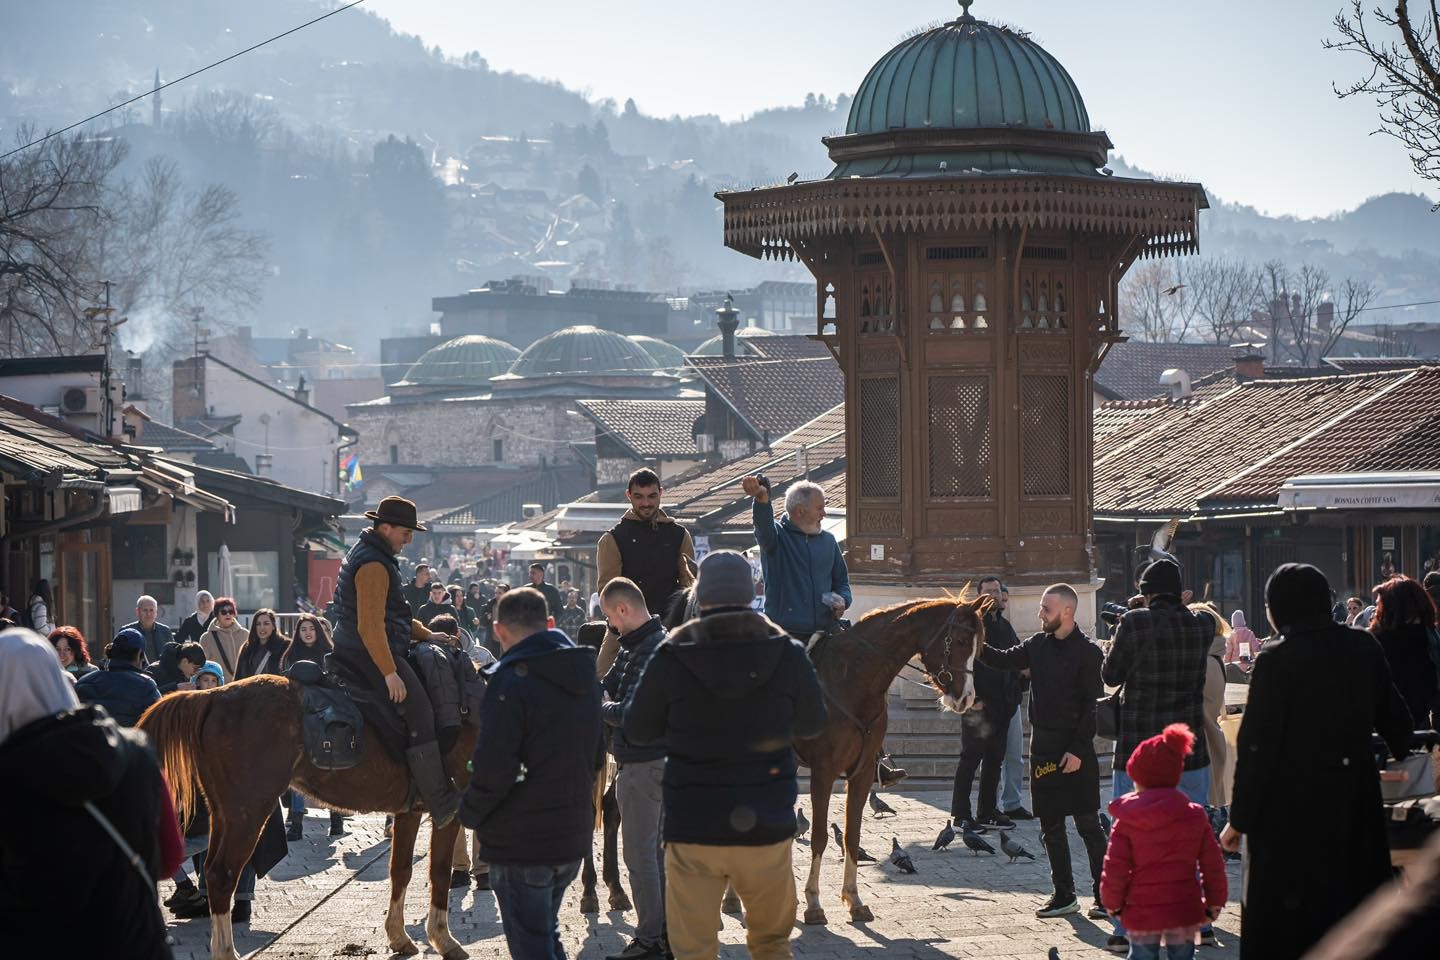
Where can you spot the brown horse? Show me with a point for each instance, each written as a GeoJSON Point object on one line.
{"type": "Point", "coordinates": [241, 744]}
{"type": "Point", "coordinates": [856, 668]}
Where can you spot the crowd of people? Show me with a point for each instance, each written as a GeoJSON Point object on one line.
{"type": "Point", "coordinates": [698, 723]}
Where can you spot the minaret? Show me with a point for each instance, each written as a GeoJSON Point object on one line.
{"type": "Point", "coordinates": [155, 102]}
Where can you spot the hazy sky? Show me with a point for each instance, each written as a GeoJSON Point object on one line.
{"type": "Point", "coordinates": [1233, 93]}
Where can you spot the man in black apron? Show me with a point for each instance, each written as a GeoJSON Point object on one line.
{"type": "Point", "coordinates": [1064, 669]}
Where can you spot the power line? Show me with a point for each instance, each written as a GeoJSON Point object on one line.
{"type": "Point", "coordinates": [193, 73]}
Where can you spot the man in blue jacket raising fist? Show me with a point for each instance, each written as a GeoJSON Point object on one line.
{"type": "Point", "coordinates": [807, 586]}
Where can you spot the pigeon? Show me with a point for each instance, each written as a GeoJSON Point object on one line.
{"type": "Point", "coordinates": [900, 858]}
{"type": "Point", "coordinates": [1054, 954]}
{"type": "Point", "coordinates": [977, 843]}
{"type": "Point", "coordinates": [802, 826]}
{"type": "Point", "coordinates": [1014, 850]}
{"type": "Point", "coordinates": [880, 807]}
{"type": "Point", "coordinates": [860, 855]}
{"type": "Point", "coordinates": [947, 837]}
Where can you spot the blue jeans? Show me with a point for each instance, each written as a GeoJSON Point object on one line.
{"type": "Point", "coordinates": [529, 898]}
{"type": "Point", "coordinates": [1151, 951]}
{"type": "Point", "coordinates": [1014, 767]}
{"type": "Point", "coordinates": [244, 887]}
{"type": "Point", "coordinates": [1195, 784]}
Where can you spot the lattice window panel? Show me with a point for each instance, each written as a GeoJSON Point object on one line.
{"type": "Point", "coordinates": [960, 440]}
{"type": "Point", "coordinates": [880, 437]}
{"type": "Point", "coordinates": [1045, 436]}
{"type": "Point", "coordinates": [876, 303]}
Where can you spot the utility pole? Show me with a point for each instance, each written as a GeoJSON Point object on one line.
{"type": "Point", "coordinates": [107, 343]}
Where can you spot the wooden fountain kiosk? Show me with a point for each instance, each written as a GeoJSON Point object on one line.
{"type": "Point", "coordinates": [967, 250]}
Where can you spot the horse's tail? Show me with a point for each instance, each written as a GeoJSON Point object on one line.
{"type": "Point", "coordinates": [174, 724]}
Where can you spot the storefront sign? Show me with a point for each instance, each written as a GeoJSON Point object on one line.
{"type": "Point", "coordinates": [1399, 496]}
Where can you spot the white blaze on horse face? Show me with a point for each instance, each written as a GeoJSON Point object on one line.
{"type": "Point", "coordinates": [967, 696]}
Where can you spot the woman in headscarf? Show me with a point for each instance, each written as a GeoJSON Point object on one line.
{"type": "Point", "coordinates": [1307, 794]}
{"type": "Point", "coordinates": [83, 778]}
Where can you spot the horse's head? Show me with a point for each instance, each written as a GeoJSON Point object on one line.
{"type": "Point", "coordinates": [949, 634]}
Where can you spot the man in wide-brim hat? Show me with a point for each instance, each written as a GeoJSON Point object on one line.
{"type": "Point", "coordinates": [374, 627]}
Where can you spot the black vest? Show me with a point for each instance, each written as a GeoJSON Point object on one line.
{"type": "Point", "coordinates": [650, 555]}
{"type": "Point", "coordinates": [370, 549]}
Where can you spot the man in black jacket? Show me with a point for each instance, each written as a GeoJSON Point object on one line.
{"type": "Point", "coordinates": [637, 784]}
{"type": "Point", "coordinates": [417, 591]}
{"type": "Point", "coordinates": [123, 688]}
{"type": "Point", "coordinates": [1064, 667]}
{"type": "Point", "coordinates": [529, 798]}
{"type": "Point", "coordinates": [985, 732]}
{"type": "Point", "coordinates": [729, 694]}
{"type": "Point", "coordinates": [437, 606]}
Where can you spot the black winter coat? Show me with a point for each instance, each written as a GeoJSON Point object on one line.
{"type": "Point", "coordinates": [1307, 795]}
{"type": "Point", "coordinates": [1407, 650]}
{"type": "Point", "coordinates": [998, 690]}
{"type": "Point", "coordinates": [1160, 653]}
{"type": "Point", "coordinates": [729, 694]}
{"type": "Point", "coordinates": [636, 649]}
{"type": "Point", "coordinates": [530, 795]}
{"type": "Point", "coordinates": [192, 628]}
{"type": "Point", "coordinates": [253, 654]}
{"type": "Point", "coordinates": [51, 844]}
{"type": "Point", "coordinates": [123, 689]}
{"type": "Point", "coordinates": [166, 670]}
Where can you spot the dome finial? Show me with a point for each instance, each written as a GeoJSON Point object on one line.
{"type": "Point", "coordinates": [965, 10]}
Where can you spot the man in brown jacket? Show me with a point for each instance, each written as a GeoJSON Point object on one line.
{"type": "Point", "coordinates": [374, 628]}
{"type": "Point", "coordinates": [647, 547]}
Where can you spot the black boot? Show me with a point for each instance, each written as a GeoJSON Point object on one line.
{"type": "Point", "coordinates": [337, 824]}
{"type": "Point", "coordinates": [435, 784]}
{"type": "Point", "coordinates": [295, 825]}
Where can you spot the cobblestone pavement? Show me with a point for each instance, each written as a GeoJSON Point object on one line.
{"type": "Point", "coordinates": [327, 899]}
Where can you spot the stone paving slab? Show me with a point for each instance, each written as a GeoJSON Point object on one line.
{"type": "Point", "coordinates": [957, 905]}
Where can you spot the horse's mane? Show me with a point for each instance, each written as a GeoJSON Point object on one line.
{"type": "Point", "coordinates": [905, 609]}
{"type": "Point", "coordinates": [677, 608]}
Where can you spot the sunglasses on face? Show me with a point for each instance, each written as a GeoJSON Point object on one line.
{"type": "Point", "coordinates": [224, 612]}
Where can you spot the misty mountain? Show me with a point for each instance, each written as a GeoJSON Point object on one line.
{"type": "Point", "coordinates": [385, 173]}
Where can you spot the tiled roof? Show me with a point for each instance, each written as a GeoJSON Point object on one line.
{"type": "Point", "coordinates": [649, 428]}
{"type": "Point", "coordinates": [1234, 450]}
{"type": "Point", "coordinates": [1415, 449]}
{"type": "Point", "coordinates": [35, 442]}
{"type": "Point", "coordinates": [816, 449]}
{"type": "Point", "coordinates": [1373, 364]}
{"type": "Point", "coordinates": [794, 380]}
{"type": "Point", "coordinates": [172, 439]}
{"type": "Point", "coordinates": [1132, 369]}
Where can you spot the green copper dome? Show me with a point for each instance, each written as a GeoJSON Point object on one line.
{"type": "Point", "coordinates": [967, 97]}
{"type": "Point", "coordinates": [582, 350]}
{"type": "Point", "coordinates": [967, 73]}
{"type": "Point", "coordinates": [463, 362]}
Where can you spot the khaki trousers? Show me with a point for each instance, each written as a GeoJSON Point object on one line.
{"type": "Point", "coordinates": [465, 840]}
{"type": "Point", "coordinates": [695, 877]}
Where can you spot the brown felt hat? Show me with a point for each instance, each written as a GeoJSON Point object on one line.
{"type": "Point", "coordinates": [397, 511]}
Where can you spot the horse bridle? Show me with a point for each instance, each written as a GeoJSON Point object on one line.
{"type": "Point", "coordinates": [944, 676]}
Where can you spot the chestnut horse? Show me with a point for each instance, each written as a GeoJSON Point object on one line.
{"type": "Point", "coordinates": [856, 668]}
{"type": "Point", "coordinates": [241, 744]}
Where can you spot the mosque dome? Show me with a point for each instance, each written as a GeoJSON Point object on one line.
{"type": "Point", "coordinates": [715, 346]}
{"type": "Point", "coordinates": [583, 350]}
{"type": "Point", "coordinates": [666, 355]}
{"type": "Point", "coordinates": [468, 361]}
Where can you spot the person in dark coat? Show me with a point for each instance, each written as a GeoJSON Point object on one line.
{"type": "Point", "coordinates": [193, 627]}
{"type": "Point", "coordinates": [437, 606]}
{"type": "Point", "coordinates": [1064, 667]}
{"type": "Point", "coordinates": [417, 591]}
{"type": "Point", "coordinates": [461, 610]}
{"type": "Point", "coordinates": [530, 795]}
{"type": "Point", "coordinates": [123, 688]}
{"type": "Point", "coordinates": [156, 634]}
{"type": "Point", "coordinates": [728, 693]}
{"type": "Point", "coordinates": [264, 648]}
{"type": "Point", "coordinates": [1403, 622]}
{"type": "Point", "coordinates": [642, 766]}
{"type": "Point", "coordinates": [311, 642]}
{"type": "Point", "coordinates": [69, 644]}
{"type": "Point", "coordinates": [1307, 794]}
{"type": "Point", "coordinates": [554, 602]}
{"type": "Point", "coordinates": [55, 855]}
{"type": "Point", "coordinates": [985, 732]}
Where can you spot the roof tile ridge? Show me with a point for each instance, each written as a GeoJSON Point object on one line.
{"type": "Point", "coordinates": [1350, 409]}
{"type": "Point", "coordinates": [1164, 423]}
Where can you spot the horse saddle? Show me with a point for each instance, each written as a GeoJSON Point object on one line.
{"type": "Point", "coordinates": [332, 728]}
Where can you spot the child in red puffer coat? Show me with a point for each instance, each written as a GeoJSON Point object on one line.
{"type": "Point", "coordinates": [1158, 842]}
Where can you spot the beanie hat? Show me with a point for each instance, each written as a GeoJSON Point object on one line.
{"type": "Point", "coordinates": [725, 580]}
{"type": "Point", "coordinates": [1159, 761]}
{"type": "Point", "coordinates": [213, 668]}
{"type": "Point", "coordinates": [126, 644]}
{"type": "Point", "coordinates": [1161, 578]}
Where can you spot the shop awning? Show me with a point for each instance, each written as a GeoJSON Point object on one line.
{"type": "Point", "coordinates": [1415, 490]}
